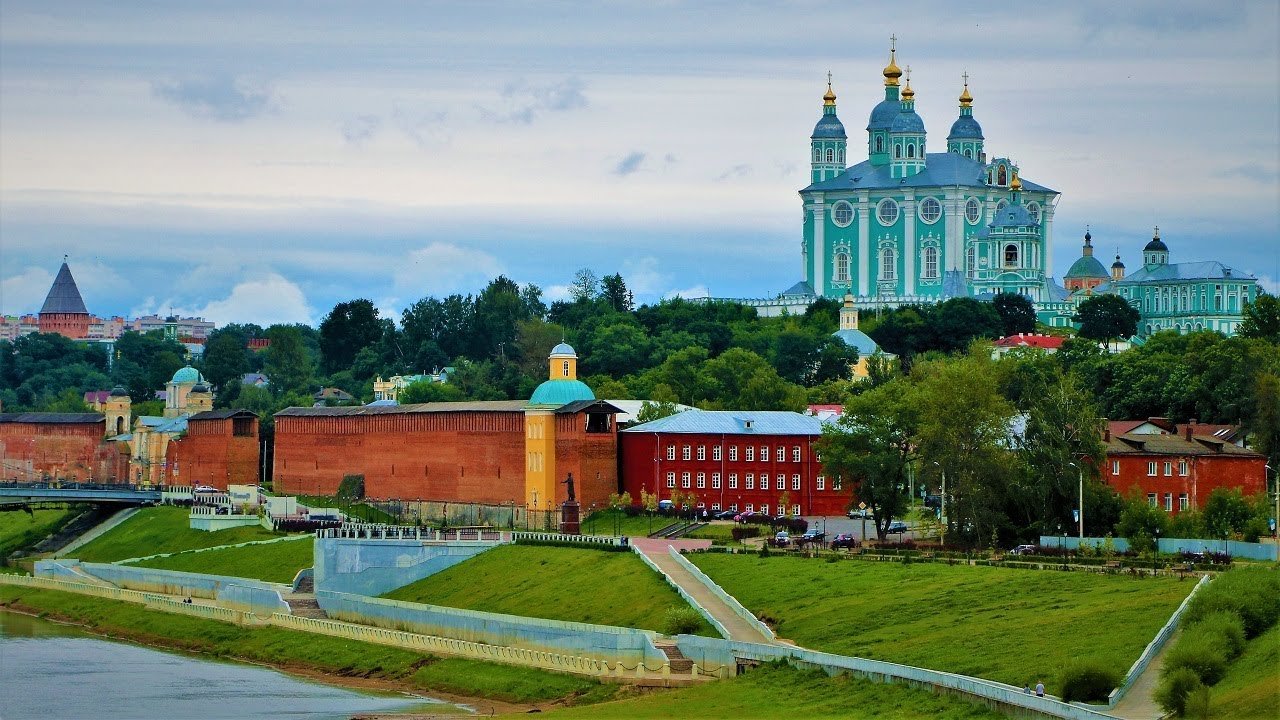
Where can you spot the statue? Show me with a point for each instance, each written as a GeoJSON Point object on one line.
{"type": "Point", "coordinates": [569, 481]}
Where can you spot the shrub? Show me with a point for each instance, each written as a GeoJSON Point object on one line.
{"type": "Point", "coordinates": [1199, 654]}
{"type": "Point", "coordinates": [351, 487]}
{"type": "Point", "coordinates": [681, 621]}
{"type": "Point", "coordinates": [743, 532]}
{"type": "Point", "coordinates": [1223, 629]}
{"type": "Point", "coordinates": [1251, 593]}
{"type": "Point", "coordinates": [1175, 688]}
{"type": "Point", "coordinates": [1087, 681]}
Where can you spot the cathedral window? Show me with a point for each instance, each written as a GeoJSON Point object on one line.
{"type": "Point", "coordinates": [1002, 176]}
{"type": "Point", "coordinates": [973, 211]}
{"type": "Point", "coordinates": [840, 155]}
{"type": "Point", "coordinates": [817, 155]}
{"type": "Point", "coordinates": [911, 151]}
{"type": "Point", "coordinates": [564, 369]}
{"type": "Point", "coordinates": [1034, 210]}
{"type": "Point", "coordinates": [887, 211]}
{"type": "Point", "coordinates": [1001, 205]}
{"type": "Point", "coordinates": [930, 263]}
{"type": "Point", "coordinates": [1010, 255]}
{"type": "Point", "coordinates": [842, 213]}
{"type": "Point", "coordinates": [841, 267]}
{"type": "Point", "coordinates": [930, 210]}
{"type": "Point", "coordinates": [897, 150]}
{"type": "Point", "coordinates": [831, 155]}
{"type": "Point", "coordinates": [971, 259]}
{"type": "Point", "coordinates": [879, 144]}
{"type": "Point", "coordinates": [888, 264]}
{"type": "Point", "coordinates": [968, 153]}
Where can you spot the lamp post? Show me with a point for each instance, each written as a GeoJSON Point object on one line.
{"type": "Point", "coordinates": [1081, 471]}
{"type": "Point", "coordinates": [1155, 554]}
{"type": "Point", "coordinates": [1275, 519]}
{"type": "Point", "coordinates": [942, 511]}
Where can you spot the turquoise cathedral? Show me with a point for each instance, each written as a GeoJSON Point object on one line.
{"type": "Point", "coordinates": [908, 225]}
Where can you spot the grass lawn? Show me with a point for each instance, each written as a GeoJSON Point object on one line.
{"type": "Point", "coordinates": [719, 533]}
{"type": "Point", "coordinates": [613, 522]}
{"type": "Point", "coordinates": [275, 562]}
{"type": "Point", "coordinates": [291, 648]}
{"type": "Point", "coordinates": [780, 691]}
{"type": "Point", "coordinates": [357, 511]}
{"type": "Point", "coordinates": [1251, 688]}
{"type": "Point", "coordinates": [19, 531]}
{"type": "Point", "coordinates": [1013, 626]}
{"type": "Point", "coordinates": [162, 529]}
{"type": "Point", "coordinates": [591, 586]}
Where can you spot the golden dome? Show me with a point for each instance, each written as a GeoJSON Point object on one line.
{"type": "Point", "coordinates": [891, 71]}
{"type": "Point", "coordinates": [965, 98]}
{"type": "Point", "coordinates": [830, 97]}
{"type": "Point", "coordinates": [907, 92]}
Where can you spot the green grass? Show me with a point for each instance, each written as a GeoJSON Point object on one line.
{"type": "Point", "coordinates": [162, 529]}
{"type": "Point", "coordinates": [616, 523]}
{"type": "Point", "coordinates": [274, 562]}
{"type": "Point", "coordinates": [591, 586]}
{"type": "Point", "coordinates": [1013, 626]}
{"type": "Point", "coordinates": [1251, 688]}
{"type": "Point", "coordinates": [357, 511]}
{"type": "Point", "coordinates": [294, 649]}
{"type": "Point", "coordinates": [780, 691]}
{"type": "Point", "coordinates": [719, 533]}
{"type": "Point", "coordinates": [20, 531]}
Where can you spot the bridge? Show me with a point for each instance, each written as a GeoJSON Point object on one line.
{"type": "Point", "coordinates": [12, 493]}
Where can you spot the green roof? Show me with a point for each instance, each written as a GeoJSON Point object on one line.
{"type": "Point", "coordinates": [554, 393]}
{"type": "Point", "coordinates": [1087, 266]}
{"type": "Point", "coordinates": [187, 374]}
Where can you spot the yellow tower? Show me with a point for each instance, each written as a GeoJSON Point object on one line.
{"type": "Point", "coordinates": [199, 399]}
{"type": "Point", "coordinates": [541, 481]}
{"type": "Point", "coordinates": [118, 412]}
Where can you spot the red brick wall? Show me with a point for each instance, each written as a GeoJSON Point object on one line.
{"type": "Point", "coordinates": [72, 325]}
{"type": "Point", "coordinates": [466, 456]}
{"type": "Point", "coordinates": [591, 457]}
{"type": "Point", "coordinates": [645, 465]}
{"type": "Point", "coordinates": [1204, 474]}
{"type": "Point", "coordinates": [59, 450]}
{"type": "Point", "coordinates": [211, 454]}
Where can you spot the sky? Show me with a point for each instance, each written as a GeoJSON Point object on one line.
{"type": "Point", "coordinates": [262, 161]}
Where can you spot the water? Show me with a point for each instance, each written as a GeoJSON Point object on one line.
{"type": "Point", "coordinates": [56, 671]}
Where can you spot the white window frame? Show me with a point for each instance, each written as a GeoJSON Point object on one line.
{"type": "Point", "coordinates": [686, 452]}
{"type": "Point", "coordinates": [702, 452]}
{"type": "Point", "coordinates": [751, 454]}
{"type": "Point", "coordinates": [715, 481]}
{"type": "Point", "coordinates": [750, 507]}
{"type": "Point", "coordinates": [795, 511]}
{"type": "Point", "coordinates": [671, 479]}
{"type": "Point", "coordinates": [795, 453]}
{"type": "Point", "coordinates": [733, 453]}
{"type": "Point", "coordinates": [837, 208]}
{"type": "Point", "coordinates": [764, 453]}
{"type": "Point", "coordinates": [1168, 502]}
{"type": "Point", "coordinates": [764, 481]}
{"type": "Point", "coordinates": [929, 201]}
{"type": "Point", "coordinates": [1153, 500]}
{"type": "Point", "coordinates": [1115, 468]}
{"type": "Point", "coordinates": [974, 205]}
{"type": "Point", "coordinates": [671, 452]}
{"type": "Point", "coordinates": [930, 264]}
{"type": "Point", "coordinates": [733, 481]}
{"type": "Point", "coordinates": [838, 484]}
{"type": "Point", "coordinates": [1184, 468]}
{"type": "Point", "coordinates": [716, 452]}
{"type": "Point", "coordinates": [685, 480]}
{"type": "Point", "coordinates": [750, 481]}
{"type": "Point", "coordinates": [840, 265]}
{"type": "Point", "coordinates": [888, 263]}
{"type": "Point", "coordinates": [764, 509]}
{"type": "Point", "coordinates": [702, 481]}
{"type": "Point", "coordinates": [884, 207]}
{"type": "Point", "coordinates": [1151, 468]}
{"type": "Point", "coordinates": [1182, 501]}
{"type": "Point", "coordinates": [780, 455]}
{"type": "Point", "coordinates": [795, 482]}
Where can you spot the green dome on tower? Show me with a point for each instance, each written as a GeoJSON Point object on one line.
{"type": "Point", "coordinates": [187, 374]}
{"type": "Point", "coordinates": [555, 393]}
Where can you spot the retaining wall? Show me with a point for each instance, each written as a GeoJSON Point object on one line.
{"type": "Point", "coordinates": [364, 566]}
{"type": "Point", "coordinates": [257, 600]}
{"type": "Point", "coordinates": [1252, 551]}
{"type": "Point", "coordinates": [627, 645]}
{"type": "Point", "coordinates": [168, 582]}
{"type": "Point", "coordinates": [1153, 648]}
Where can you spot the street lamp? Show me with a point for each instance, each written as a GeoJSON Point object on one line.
{"type": "Point", "coordinates": [1081, 470]}
{"type": "Point", "coordinates": [1155, 555]}
{"type": "Point", "coordinates": [1275, 519]}
{"type": "Point", "coordinates": [942, 511]}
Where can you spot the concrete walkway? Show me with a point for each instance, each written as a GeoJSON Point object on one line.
{"type": "Point", "coordinates": [1139, 702]}
{"type": "Point", "coordinates": [96, 531]}
{"type": "Point", "coordinates": [656, 550]}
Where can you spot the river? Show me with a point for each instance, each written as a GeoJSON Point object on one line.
{"type": "Point", "coordinates": [51, 671]}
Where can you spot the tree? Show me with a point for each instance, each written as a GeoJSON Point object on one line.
{"type": "Point", "coordinates": [498, 310]}
{"type": "Point", "coordinates": [425, 391]}
{"type": "Point", "coordinates": [1264, 425]}
{"type": "Point", "coordinates": [146, 362]}
{"type": "Point", "coordinates": [438, 331]}
{"type": "Point", "coordinates": [1017, 314]}
{"type": "Point", "coordinates": [288, 364]}
{"type": "Point", "coordinates": [1262, 319]}
{"type": "Point", "coordinates": [347, 329]}
{"type": "Point", "coordinates": [873, 445]}
{"type": "Point", "coordinates": [1106, 317]}
{"type": "Point", "coordinates": [650, 411]}
{"type": "Point", "coordinates": [226, 358]}
{"type": "Point", "coordinates": [614, 292]}
{"type": "Point", "coordinates": [67, 401]}
{"type": "Point", "coordinates": [617, 349]}
{"type": "Point", "coordinates": [1141, 522]}
{"type": "Point", "coordinates": [1226, 513]}
{"type": "Point", "coordinates": [959, 321]}
{"type": "Point", "coordinates": [584, 286]}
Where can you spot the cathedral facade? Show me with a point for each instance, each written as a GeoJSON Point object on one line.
{"type": "Point", "coordinates": [908, 225]}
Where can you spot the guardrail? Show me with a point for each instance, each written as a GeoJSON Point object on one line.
{"type": "Point", "coordinates": [1153, 648]}
{"type": "Point", "coordinates": [720, 628]}
{"type": "Point", "coordinates": [725, 597]}
{"type": "Point", "coordinates": [609, 540]}
{"type": "Point", "coordinates": [373, 531]}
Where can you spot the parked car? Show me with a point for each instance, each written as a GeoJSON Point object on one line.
{"type": "Point", "coordinates": [206, 489]}
{"type": "Point", "coordinates": [856, 514]}
{"type": "Point", "coordinates": [844, 540]}
{"type": "Point", "coordinates": [743, 516]}
{"type": "Point", "coordinates": [782, 539]}
{"type": "Point", "coordinates": [725, 514]}
{"type": "Point", "coordinates": [1024, 550]}
{"type": "Point", "coordinates": [897, 526]}
{"type": "Point", "coordinates": [812, 536]}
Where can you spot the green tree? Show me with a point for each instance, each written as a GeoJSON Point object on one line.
{"type": "Point", "coordinates": [145, 363]}
{"type": "Point", "coordinates": [438, 331]}
{"type": "Point", "coordinates": [1262, 319]}
{"type": "Point", "coordinates": [1141, 522]}
{"type": "Point", "coordinates": [1264, 423]}
{"type": "Point", "coordinates": [584, 286]}
{"type": "Point", "coordinates": [499, 309]}
{"type": "Point", "coordinates": [650, 411]}
{"type": "Point", "coordinates": [1017, 314]}
{"type": "Point", "coordinates": [288, 364]}
{"type": "Point", "coordinates": [226, 358]}
{"type": "Point", "coordinates": [614, 292]}
{"type": "Point", "coordinates": [873, 446]}
{"type": "Point", "coordinates": [425, 391]}
{"type": "Point", "coordinates": [617, 349]}
{"type": "Point", "coordinates": [67, 401]}
{"type": "Point", "coordinates": [350, 327]}
{"type": "Point", "coordinates": [959, 321]}
{"type": "Point", "coordinates": [1106, 317]}
{"type": "Point", "coordinates": [1226, 513]}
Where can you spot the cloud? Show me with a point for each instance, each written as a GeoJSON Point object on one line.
{"type": "Point", "coordinates": [361, 128]}
{"type": "Point", "coordinates": [24, 293]}
{"type": "Point", "coordinates": [443, 268]}
{"type": "Point", "coordinates": [629, 164]}
{"type": "Point", "coordinates": [426, 129]}
{"type": "Point", "coordinates": [643, 276]}
{"type": "Point", "coordinates": [220, 97]}
{"type": "Point", "coordinates": [697, 291]}
{"type": "Point", "coordinates": [1270, 284]}
{"type": "Point", "coordinates": [266, 300]}
{"type": "Point", "coordinates": [556, 293]}
{"type": "Point", "coordinates": [1250, 171]}
{"type": "Point", "coordinates": [740, 170]}
{"type": "Point", "coordinates": [522, 102]}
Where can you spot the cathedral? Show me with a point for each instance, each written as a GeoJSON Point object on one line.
{"type": "Point", "coordinates": [907, 225]}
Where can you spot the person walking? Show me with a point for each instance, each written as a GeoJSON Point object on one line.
{"type": "Point", "coordinates": [1039, 689]}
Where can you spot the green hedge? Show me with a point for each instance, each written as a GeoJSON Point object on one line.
{"type": "Point", "coordinates": [1176, 688]}
{"type": "Point", "coordinates": [1087, 681]}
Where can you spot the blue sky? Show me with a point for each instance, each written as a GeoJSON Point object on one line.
{"type": "Point", "coordinates": [262, 161]}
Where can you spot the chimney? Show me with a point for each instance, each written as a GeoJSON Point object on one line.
{"type": "Point", "coordinates": [1189, 433]}
{"type": "Point", "coordinates": [1106, 434]}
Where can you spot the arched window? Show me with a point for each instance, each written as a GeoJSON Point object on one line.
{"type": "Point", "coordinates": [911, 151]}
{"type": "Point", "coordinates": [119, 425]}
{"type": "Point", "coordinates": [968, 153]}
{"type": "Point", "coordinates": [1010, 255]}
{"type": "Point", "coordinates": [971, 259]}
{"type": "Point", "coordinates": [564, 368]}
{"type": "Point", "coordinates": [1001, 206]}
{"type": "Point", "coordinates": [879, 144]}
{"type": "Point", "coordinates": [1034, 210]}
{"type": "Point", "coordinates": [897, 150]}
{"type": "Point", "coordinates": [831, 155]}
{"type": "Point", "coordinates": [972, 211]}
{"type": "Point", "coordinates": [930, 263]}
{"type": "Point", "coordinates": [842, 267]}
{"type": "Point", "coordinates": [1002, 177]}
{"type": "Point", "coordinates": [888, 264]}
{"type": "Point", "coordinates": [817, 155]}
{"type": "Point", "coordinates": [840, 155]}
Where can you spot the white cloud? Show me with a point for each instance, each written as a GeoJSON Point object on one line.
{"type": "Point", "coordinates": [266, 300]}
{"type": "Point", "coordinates": [556, 292]}
{"type": "Point", "coordinates": [643, 277]}
{"type": "Point", "coordinates": [1270, 284]}
{"type": "Point", "coordinates": [25, 292]}
{"type": "Point", "coordinates": [697, 291]}
{"type": "Point", "coordinates": [442, 268]}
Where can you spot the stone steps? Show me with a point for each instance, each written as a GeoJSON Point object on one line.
{"type": "Point", "coordinates": [305, 606]}
{"type": "Point", "coordinates": [675, 658]}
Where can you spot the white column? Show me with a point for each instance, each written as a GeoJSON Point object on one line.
{"type": "Point", "coordinates": [909, 245]}
{"type": "Point", "coordinates": [1046, 215]}
{"type": "Point", "coordinates": [953, 206]}
{"type": "Point", "coordinates": [865, 261]}
{"type": "Point", "coordinates": [819, 246]}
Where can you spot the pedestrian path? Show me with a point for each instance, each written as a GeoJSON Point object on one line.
{"type": "Point", "coordinates": [1139, 702]}
{"type": "Point", "coordinates": [95, 531]}
{"type": "Point", "coordinates": [655, 549]}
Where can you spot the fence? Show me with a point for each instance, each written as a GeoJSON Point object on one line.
{"type": "Point", "coordinates": [556, 537]}
{"type": "Point", "coordinates": [378, 531]}
{"type": "Point", "coordinates": [499, 515]}
{"type": "Point", "coordinates": [1234, 548]}
{"type": "Point", "coordinates": [1153, 647]}
{"type": "Point", "coordinates": [719, 592]}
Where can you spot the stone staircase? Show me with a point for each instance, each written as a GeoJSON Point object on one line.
{"type": "Point", "coordinates": [679, 663]}
{"type": "Point", "coordinates": [304, 605]}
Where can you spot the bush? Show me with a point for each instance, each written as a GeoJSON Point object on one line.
{"type": "Point", "coordinates": [1251, 593]}
{"type": "Point", "coordinates": [1087, 681]}
{"type": "Point", "coordinates": [1175, 688]}
{"type": "Point", "coordinates": [351, 487]}
{"type": "Point", "coordinates": [1199, 654]}
{"type": "Point", "coordinates": [681, 621]}
{"type": "Point", "coordinates": [743, 532]}
{"type": "Point", "coordinates": [1222, 629]}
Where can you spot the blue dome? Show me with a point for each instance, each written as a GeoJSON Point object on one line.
{"type": "Point", "coordinates": [965, 128]}
{"type": "Point", "coordinates": [1156, 245]}
{"type": "Point", "coordinates": [907, 121]}
{"type": "Point", "coordinates": [187, 374]}
{"type": "Point", "coordinates": [563, 349]}
{"type": "Point", "coordinates": [1013, 216]}
{"type": "Point", "coordinates": [882, 115]}
{"type": "Point", "coordinates": [829, 126]}
{"type": "Point", "coordinates": [859, 341]}
{"type": "Point", "coordinates": [554, 393]}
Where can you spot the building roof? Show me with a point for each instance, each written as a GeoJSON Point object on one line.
{"type": "Point", "coordinates": [859, 341]}
{"type": "Point", "coordinates": [598, 406]}
{"type": "Point", "coordinates": [828, 127]}
{"type": "Point", "coordinates": [907, 121]}
{"type": "Point", "coordinates": [883, 113]}
{"type": "Point", "coordinates": [222, 414]}
{"type": "Point", "coordinates": [563, 349]}
{"type": "Point", "coordinates": [1161, 425]}
{"type": "Point", "coordinates": [187, 374]}
{"type": "Point", "coordinates": [1087, 266]}
{"type": "Point", "coordinates": [733, 422]}
{"type": "Point", "coordinates": [554, 393]}
{"type": "Point", "coordinates": [49, 418]}
{"type": "Point", "coordinates": [1045, 342]}
{"type": "Point", "coordinates": [940, 169]}
{"type": "Point", "coordinates": [1156, 245]}
{"type": "Point", "coordinates": [433, 407]}
{"type": "Point", "coordinates": [253, 379]}
{"type": "Point", "coordinates": [1014, 215]}
{"type": "Point", "coordinates": [800, 289]}
{"type": "Point", "coordinates": [1175, 445]}
{"type": "Point", "coordinates": [333, 393]}
{"type": "Point", "coordinates": [64, 296]}
{"type": "Point", "coordinates": [965, 128]}
{"type": "Point", "coordinates": [1057, 293]}
{"type": "Point", "coordinates": [1207, 270]}
{"type": "Point", "coordinates": [96, 396]}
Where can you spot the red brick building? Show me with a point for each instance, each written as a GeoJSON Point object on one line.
{"type": "Point", "coordinates": [35, 446]}
{"type": "Point", "coordinates": [733, 461]}
{"type": "Point", "coordinates": [1177, 471]}
{"type": "Point", "coordinates": [63, 311]}
{"type": "Point", "coordinates": [454, 451]}
{"type": "Point", "coordinates": [221, 448]}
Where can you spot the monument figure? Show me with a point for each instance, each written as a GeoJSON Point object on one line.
{"type": "Point", "coordinates": [569, 481]}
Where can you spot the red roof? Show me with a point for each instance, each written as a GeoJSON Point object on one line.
{"type": "Point", "coordinates": [96, 396]}
{"type": "Point", "coordinates": [1045, 342]}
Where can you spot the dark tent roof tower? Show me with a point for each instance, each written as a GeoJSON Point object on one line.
{"type": "Point", "coordinates": [64, 296]}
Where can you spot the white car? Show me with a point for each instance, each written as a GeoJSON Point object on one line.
{"type": "Point", "coordinates": [206, 489]}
